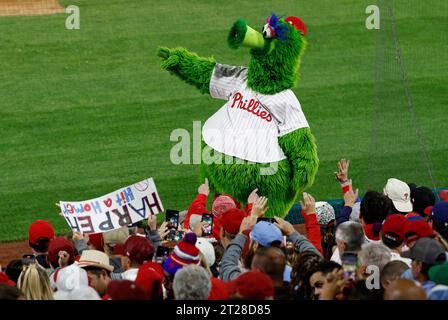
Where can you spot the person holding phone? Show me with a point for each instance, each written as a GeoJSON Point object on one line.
{"type": "Point", "coordinates": [220, 204]}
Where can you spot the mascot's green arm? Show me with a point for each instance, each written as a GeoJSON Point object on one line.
{"type": "Point", "coordinates": [300, 148]}
{"type": "Point", "coordinates": [188, 66]}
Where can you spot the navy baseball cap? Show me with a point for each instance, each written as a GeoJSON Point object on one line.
{"type": "Point", "coordinates": [440, 212]}
{"type": "Point", "coordinates": [265, 233]}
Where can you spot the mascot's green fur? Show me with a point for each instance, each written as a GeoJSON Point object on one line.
{"type": "Point", "coordinates": [273, 67]}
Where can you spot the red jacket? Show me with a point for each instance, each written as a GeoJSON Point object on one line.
{"type": "Point", "coordinates": [199, 206]}
{"type": "Point", "coordinates": [313, 233]}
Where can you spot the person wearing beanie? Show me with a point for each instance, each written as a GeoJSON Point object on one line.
{"type": "Point", "coordinates": [40, 234]}
{"type": "Point", "coordinates": [220, 204]}
{"type": "Point", "coordinates": [184, 253]}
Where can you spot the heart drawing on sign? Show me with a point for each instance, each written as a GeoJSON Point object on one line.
{"type": "Point", "coordinates": [108, 202]}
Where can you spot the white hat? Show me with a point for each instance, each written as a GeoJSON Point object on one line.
{"type": "Point", "coordinates": [400, 194]}
{"type": "Point", "coordinates": [324, 212]}
{"type": "Point", "coordinates": [70, 278]}
{"type": "Point", "coordinates": [95, 258]}
{"type": "Point", "coordinates": [207, 250]}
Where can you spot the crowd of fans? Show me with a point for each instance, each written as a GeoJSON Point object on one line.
{"type": "Point", "coordinates": [389, 245]}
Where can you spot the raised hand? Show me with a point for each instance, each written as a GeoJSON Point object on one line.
{"type": "Point", "coordinates": [169, 57]}
{"type": "Point", "coordinates": [248, 223]}
{"type": "Point", "coordinates": [308, 204]}
{"type": "Point", "coordinates": [286, 228]}
{"type": "Point", "coordinates": [342, 174]}
{"type": "Point", "coordinates": [259, 207]}
{"type": "Point", "coordinates": [63, 259]}
{"type": "Point", "coordinates": [152, 222]}
{"type": "Point", "coordinates": [204, 188]}
{"type": "Point", "coordinates": [333, 285]}
{"type": "Point", "coordinates": [253, 196]}
{"type": "Point", "coordinates": [163, 230]}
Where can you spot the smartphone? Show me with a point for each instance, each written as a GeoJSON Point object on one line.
{"type": "Point", "coordinates": [349, 264]}
{"type": "Point", "coordinates": [271, 220]}
{"type": "Point", "coordinates": [162, 253]}
{"type": "Point", "coordinates": [28, 259]}
{"type": "Point", "coordinates": [175, 235]}
{"type": "Point", "coordinates": [172, 217]}
{"type": "Point", "coordinates": [207, 227]}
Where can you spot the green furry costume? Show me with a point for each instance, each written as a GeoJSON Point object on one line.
{"type": "Point", "coordinates": [273, 68]}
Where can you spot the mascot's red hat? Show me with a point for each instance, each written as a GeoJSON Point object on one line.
{"type": "Point", "coordinates": [297, 23]}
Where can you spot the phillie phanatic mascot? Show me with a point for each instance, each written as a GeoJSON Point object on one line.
{"type": "Point", "coordinates": [260, 138]}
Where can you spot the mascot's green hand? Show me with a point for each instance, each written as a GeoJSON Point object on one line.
{"type": "Point", "coordinates": [188, 66]}
{"type": "Point", "coordinates": [170, 59]}
{"type": "Point", "coordinates": [163, 52]}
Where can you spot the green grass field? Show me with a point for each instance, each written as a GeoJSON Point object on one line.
{"type": "Point", "coordinates": [84, 112]}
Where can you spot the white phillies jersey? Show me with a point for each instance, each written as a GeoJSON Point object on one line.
{"type": "Point", "coordinates": [249, 124]}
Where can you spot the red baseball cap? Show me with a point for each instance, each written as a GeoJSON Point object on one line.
{"type": "Point", "coordinates": [126, 290]}
{"type": "Point", "coordinates": [231, 220]}
{"type": "Point", "coordinates": [298, 24]}
{"type": "Point", "coordinates": [150, 277]}
{"type": "Point", "coordinates": [60, 244]}
{"type": "Point", "coordinates": [252, 285]}
{"type": "Point", "coordinates": [393, 227]}
{"type": "Point", "coordinates": [138, 249]}
{"type": "Point", "coordinates": [417, 229]}
{"type": "Point", "coordinates": [40, 229]}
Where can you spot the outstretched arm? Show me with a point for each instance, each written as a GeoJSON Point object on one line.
{"type": "Point", "coordinates": [188, 66]}
{"type": "Point", "coordinates": [300, 148]}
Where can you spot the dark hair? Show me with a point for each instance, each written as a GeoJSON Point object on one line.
{"type": "Point", "coordinates": [328, 239]}
{"type": "Point", "coordinates": [359, 291]}
{"type": "Point", "coordinates": [270, 260]}
{"type": "Point", "coordinates": [421, 198]}
{"type": "Point", "coordinates": [375, 207]}
{"type": "Point", "coordinates": [41, 245]}
{"type": "Point", "coordinates": [325, 267]}
{"type": "Point", "coordinates": [13, 269]}
{"type": "Point", "coordinates": [441, 228]}
{"type": "Point", "coordinates": [304, 263]}
{"type": "Point", "coordinates": [8, 292]}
